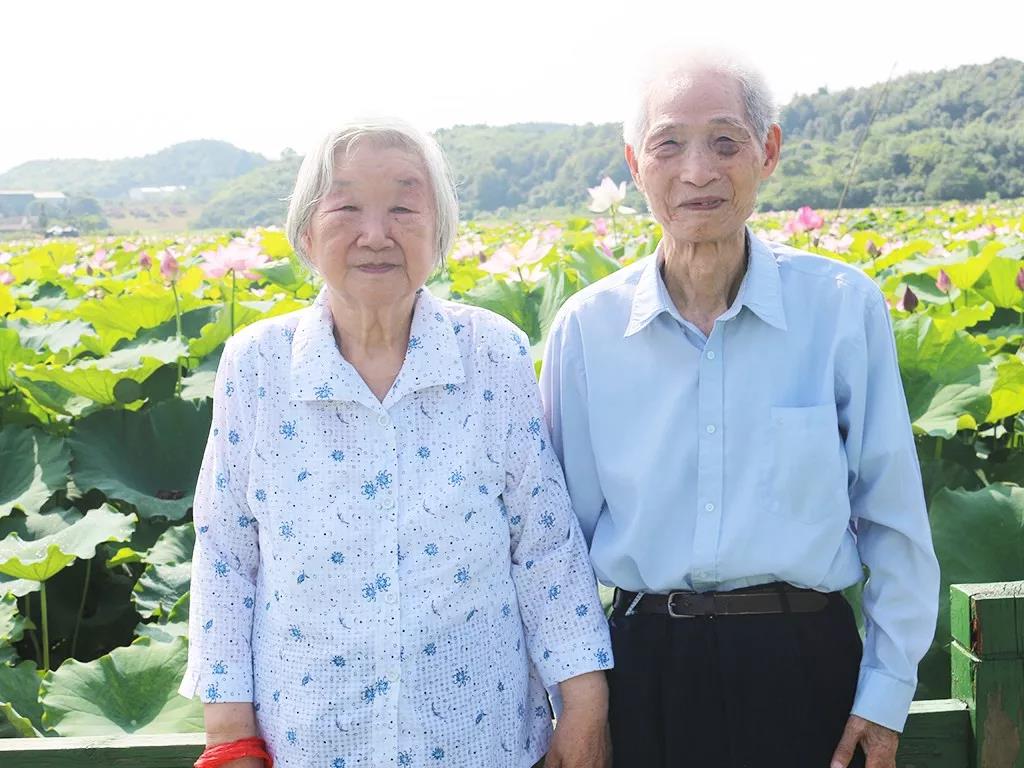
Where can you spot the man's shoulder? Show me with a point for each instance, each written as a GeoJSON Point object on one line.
{"type": "Point", "coordinates": [804, 271]}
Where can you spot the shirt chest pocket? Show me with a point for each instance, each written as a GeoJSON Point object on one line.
{"type": "Point", "coordinates": [807, 466]}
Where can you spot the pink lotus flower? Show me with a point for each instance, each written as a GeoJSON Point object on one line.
{"type": "Point", "coordinates": [601, 226]}
{"type": "Point", "coordinates": [1020, 279]}
{"type": "Point", "coordinates": [6, 278]}
{"type": "Point", "coordinates": [468, 248]}
{"type": "Point", "coordinates": [5, 257]}
{"type": "Point", "coordinates": [605, 248]}
{"type": "Point", "coordinates": [551, 234]}
{"type": "Point", "coordinates": [129, 247]}
{"type": "Point", "coordinates": [942, 282]}
{"type": "Point", "coordinates": [908, 302]}
{"type": "Point", "coordinates": [515, 263]}
{"type": "Point", "coordinates": [67, 270]}
{"type": "Point", "coordinates": [836, 244]}
{"type": "Point", "coordinates": [238, 256]}
{"type": "Point", "coordinates": [99, 260]}
{"type": "Point", "coordinates": [804, 221]}
{"type": "Point", "coordinates": [168, 265]}
{"type": "Point", "coordinates": [145, 261]}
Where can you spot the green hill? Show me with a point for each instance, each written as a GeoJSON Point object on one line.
{"type": "Point", "coordinates": [956, 134]}
{"type": "Point", "coordinates": [201, 166]}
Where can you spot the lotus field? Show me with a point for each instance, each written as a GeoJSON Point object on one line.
{"type": "Point", "coordinates": [109, 346]}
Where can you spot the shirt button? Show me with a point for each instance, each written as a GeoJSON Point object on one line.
{"type": "Point", "coordinates": [389, 503]}
{"type": "Point", "coordinates": [710, 429]}
{"type": "Point", "coordinates": [709, 507]}
{"type": "Point", "coordinates": [391, 598]}
{"type": "Point", "coordinates": [383, 420]}
{"type": "Point", "coordinates": [710, 355]}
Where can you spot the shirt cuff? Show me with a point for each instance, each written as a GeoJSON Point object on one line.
{"type": "Point", "coordinates": [213, 689]}
{"type": "Point", "coordinates": [883, 699]}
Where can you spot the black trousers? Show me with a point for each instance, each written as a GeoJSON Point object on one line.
{"type": "Point", "coordinates": [763, 691]}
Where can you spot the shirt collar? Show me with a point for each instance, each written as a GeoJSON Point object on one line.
{"type": "Point", "coordinates": [320, 372]}
{"type": "Point", "coordinates": [760, 291]}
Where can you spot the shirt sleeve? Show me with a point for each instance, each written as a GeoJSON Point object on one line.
{"type": "Point", "coordinates": [564, 393]}
{"type": "Point", "coordinates": [566, 630]}
{"type": "Point", "coordinates": [900, 600]}
{"type": "Point", "coordinates": [226, 555]}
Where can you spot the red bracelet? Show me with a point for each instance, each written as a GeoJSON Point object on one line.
{"type": "Point", "coordinates": [213, 757]}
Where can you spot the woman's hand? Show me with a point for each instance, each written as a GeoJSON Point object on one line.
{"type": "Point", "coordinates": [582, 739]}
{"type": "Point", "coordinates": [228, 722]}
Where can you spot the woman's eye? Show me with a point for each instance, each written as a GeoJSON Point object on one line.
{"type": "Point", "coordinates": [401, 209]}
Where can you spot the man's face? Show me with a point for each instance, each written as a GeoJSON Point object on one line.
{"type": "Point", "coordinates": [700, 164]}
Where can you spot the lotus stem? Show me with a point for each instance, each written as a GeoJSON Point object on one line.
{"type": "Point", "coordinates": [46, 626]}
{"type": "Point", "coordinates": [177, 386]}
{"type": "Point", "coordinates": [231, 309]}
{"type": "Point", "coordinates": [32, 632]}
{"type": "Point", "coordinates": [615, 228]}
{"type": "Point", "coordinates": [938, 448]}
{"type": "Point", "coordinates": [81, 604]}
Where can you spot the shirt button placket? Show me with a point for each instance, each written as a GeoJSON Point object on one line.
{"type": "Point", "coordinates": [709, 463]}
{"type": "Point", "coordinates": [388, 643]}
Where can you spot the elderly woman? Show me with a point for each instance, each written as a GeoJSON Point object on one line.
{"type": "Point", "coordinates": [387, 570]}
{"type": "Point", "coordinates": [737, 447]}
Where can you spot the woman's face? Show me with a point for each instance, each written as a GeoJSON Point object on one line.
{"type": "Point", "coordinates": [373, 235]}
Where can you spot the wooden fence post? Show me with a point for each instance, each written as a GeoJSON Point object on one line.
{"type": "Point", "coordinates": [987, 622]}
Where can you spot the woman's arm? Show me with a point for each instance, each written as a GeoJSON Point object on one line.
{"type": "Point", "coordinates": [581, 735]}
{"type": "Point", "coordinates": [229, 722]}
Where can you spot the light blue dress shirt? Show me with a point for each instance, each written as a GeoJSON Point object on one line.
{"type": "Point", "coordinates": [778, 448]}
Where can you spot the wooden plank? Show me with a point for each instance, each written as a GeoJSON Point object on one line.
{"type": "Point", "coordinates": [937, 735]}
{"type": "Point", "coordinates": [989, 619]}
{"type": "Point", "coordinates": [994, 692]}
{"type": "Point", "coordinates": [171, 750]}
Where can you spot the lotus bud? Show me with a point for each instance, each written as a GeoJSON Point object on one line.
{"type": "Point", "coordinates": [1020, 279]}
{"type": "Point", "coordinates": [942, 282]}
{"type": "Point", "coordinates": [908, 303]}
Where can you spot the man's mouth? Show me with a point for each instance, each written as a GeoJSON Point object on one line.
{"type": "Point", "coordinates": [702, 203]}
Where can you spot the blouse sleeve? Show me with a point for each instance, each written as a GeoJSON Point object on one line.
{"type": "Point", "coordinates": [566, 630]}
{"type": "Point", "coordinates": [226, 555]}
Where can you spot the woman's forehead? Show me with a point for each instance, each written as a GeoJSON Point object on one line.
{"type": "Point", "coordinates": [370, 159]}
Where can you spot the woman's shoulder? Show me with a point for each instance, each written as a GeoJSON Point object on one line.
{"type": "Point", "coordinates": [479, 329]}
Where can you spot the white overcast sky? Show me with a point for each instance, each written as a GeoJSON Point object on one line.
{"type": "Point", "coordinates": [107, 78]}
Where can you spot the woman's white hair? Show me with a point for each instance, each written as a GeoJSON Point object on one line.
{"type": "Point", "coordinates": [758, 100]}
{"type": "Point", "coordinates": [317, 172]}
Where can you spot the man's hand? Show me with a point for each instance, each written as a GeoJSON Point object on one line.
{"type": "Point", "coordinates": [878, 742]}
{"type": "Point", "coordinates": [582, 738]}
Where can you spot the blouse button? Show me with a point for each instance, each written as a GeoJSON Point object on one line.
{"type": "Point", "coordinates": [383, 420]}
{"type": "Point", "coordinates": [388, 503]}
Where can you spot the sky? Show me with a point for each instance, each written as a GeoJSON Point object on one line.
{"type": "Point", "coordinates": [109, 79]}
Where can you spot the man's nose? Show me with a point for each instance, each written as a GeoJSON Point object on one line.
{"type": "Point", "coordinates": [699, 167]}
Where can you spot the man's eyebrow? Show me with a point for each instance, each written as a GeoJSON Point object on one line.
{"type": "Point", "coordinates": [730, 121]}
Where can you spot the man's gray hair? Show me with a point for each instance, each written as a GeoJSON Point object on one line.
{"type": "Point", "coordinates": [762, 111]}
{"type": "Point", "coordinates": [317, 172]}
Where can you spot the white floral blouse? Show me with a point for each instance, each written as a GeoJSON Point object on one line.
{"type": "Point", "coordinates": [389, 583]}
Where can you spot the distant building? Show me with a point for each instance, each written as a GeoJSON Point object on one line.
{"type": "Point", "coordinates": [18, 207]}
{"type": "Point", "coordinates": [154, 193]}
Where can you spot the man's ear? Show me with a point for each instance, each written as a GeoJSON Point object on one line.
{"type": "Point", "coordinates": [633, 167]}
{"type": "Point", "coordinates": [772, 150]}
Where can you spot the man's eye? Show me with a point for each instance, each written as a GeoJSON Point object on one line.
{"type": "Point", "coordinates": [725, 144]}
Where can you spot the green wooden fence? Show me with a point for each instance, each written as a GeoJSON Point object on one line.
{"type": "Point", "coordinates": [981, 727]}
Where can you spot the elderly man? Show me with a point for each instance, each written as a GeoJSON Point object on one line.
{"type": "Point", "coordinates": [736, 443]}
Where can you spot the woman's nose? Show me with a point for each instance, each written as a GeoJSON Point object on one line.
{"type": "Point", "coordinates": [374, 232]}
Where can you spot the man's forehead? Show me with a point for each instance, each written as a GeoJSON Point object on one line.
{"type": "Point", "coordinates": [696, 97]}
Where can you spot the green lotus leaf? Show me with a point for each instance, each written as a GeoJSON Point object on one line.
{"type": "Point", "coordinates": [965, 317]}
{"type": "Point", "coordinates": [994, 551]}
{"type": "Point", "coordinates": [39, 559]}
{"type": "Point", "coordinates": [96, 379]}
{"type": "Point", "coordinates": [19, 699]}
{"type": "Point", "coordinates": [33, 465]}
{"type": "Point", "coordinates": [11, 352]}
{"type": "Point", "coordinates": [130, 690]}
{"type": "Point", "coordinates": [174, 546]}
{"type": "Point", "coordinates": [999, 285]}
{"type": "Point", "coordinates": [139, 457]}
{"type": "Point", "coordinates": [1008, 391]}
{"type": "Point", "coordinates": [12, 628]}
{"type": "Point", "coordinates": [7, 303]}
{"type": "Point", "coordinates": [198, 385]}
{"type": "Point", "coordinates": [52, 336]}
{"type": "Point", "coordinates": [146, 307]}
{"type": "Point", "coordinates": [51, 397]}
{"type": "Point", "coordinates": [946, 376]}
{"type": "Point", "coordinates": [160, 587]}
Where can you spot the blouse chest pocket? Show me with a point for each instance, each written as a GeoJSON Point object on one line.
{"type": "Point", "coordinates": [807, 467]}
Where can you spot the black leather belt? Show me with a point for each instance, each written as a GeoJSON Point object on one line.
{"type": "Point", "coordinates": [762, 599]}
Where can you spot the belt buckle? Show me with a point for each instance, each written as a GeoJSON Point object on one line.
{"type": "Point", "coordinates": [671, 609]}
